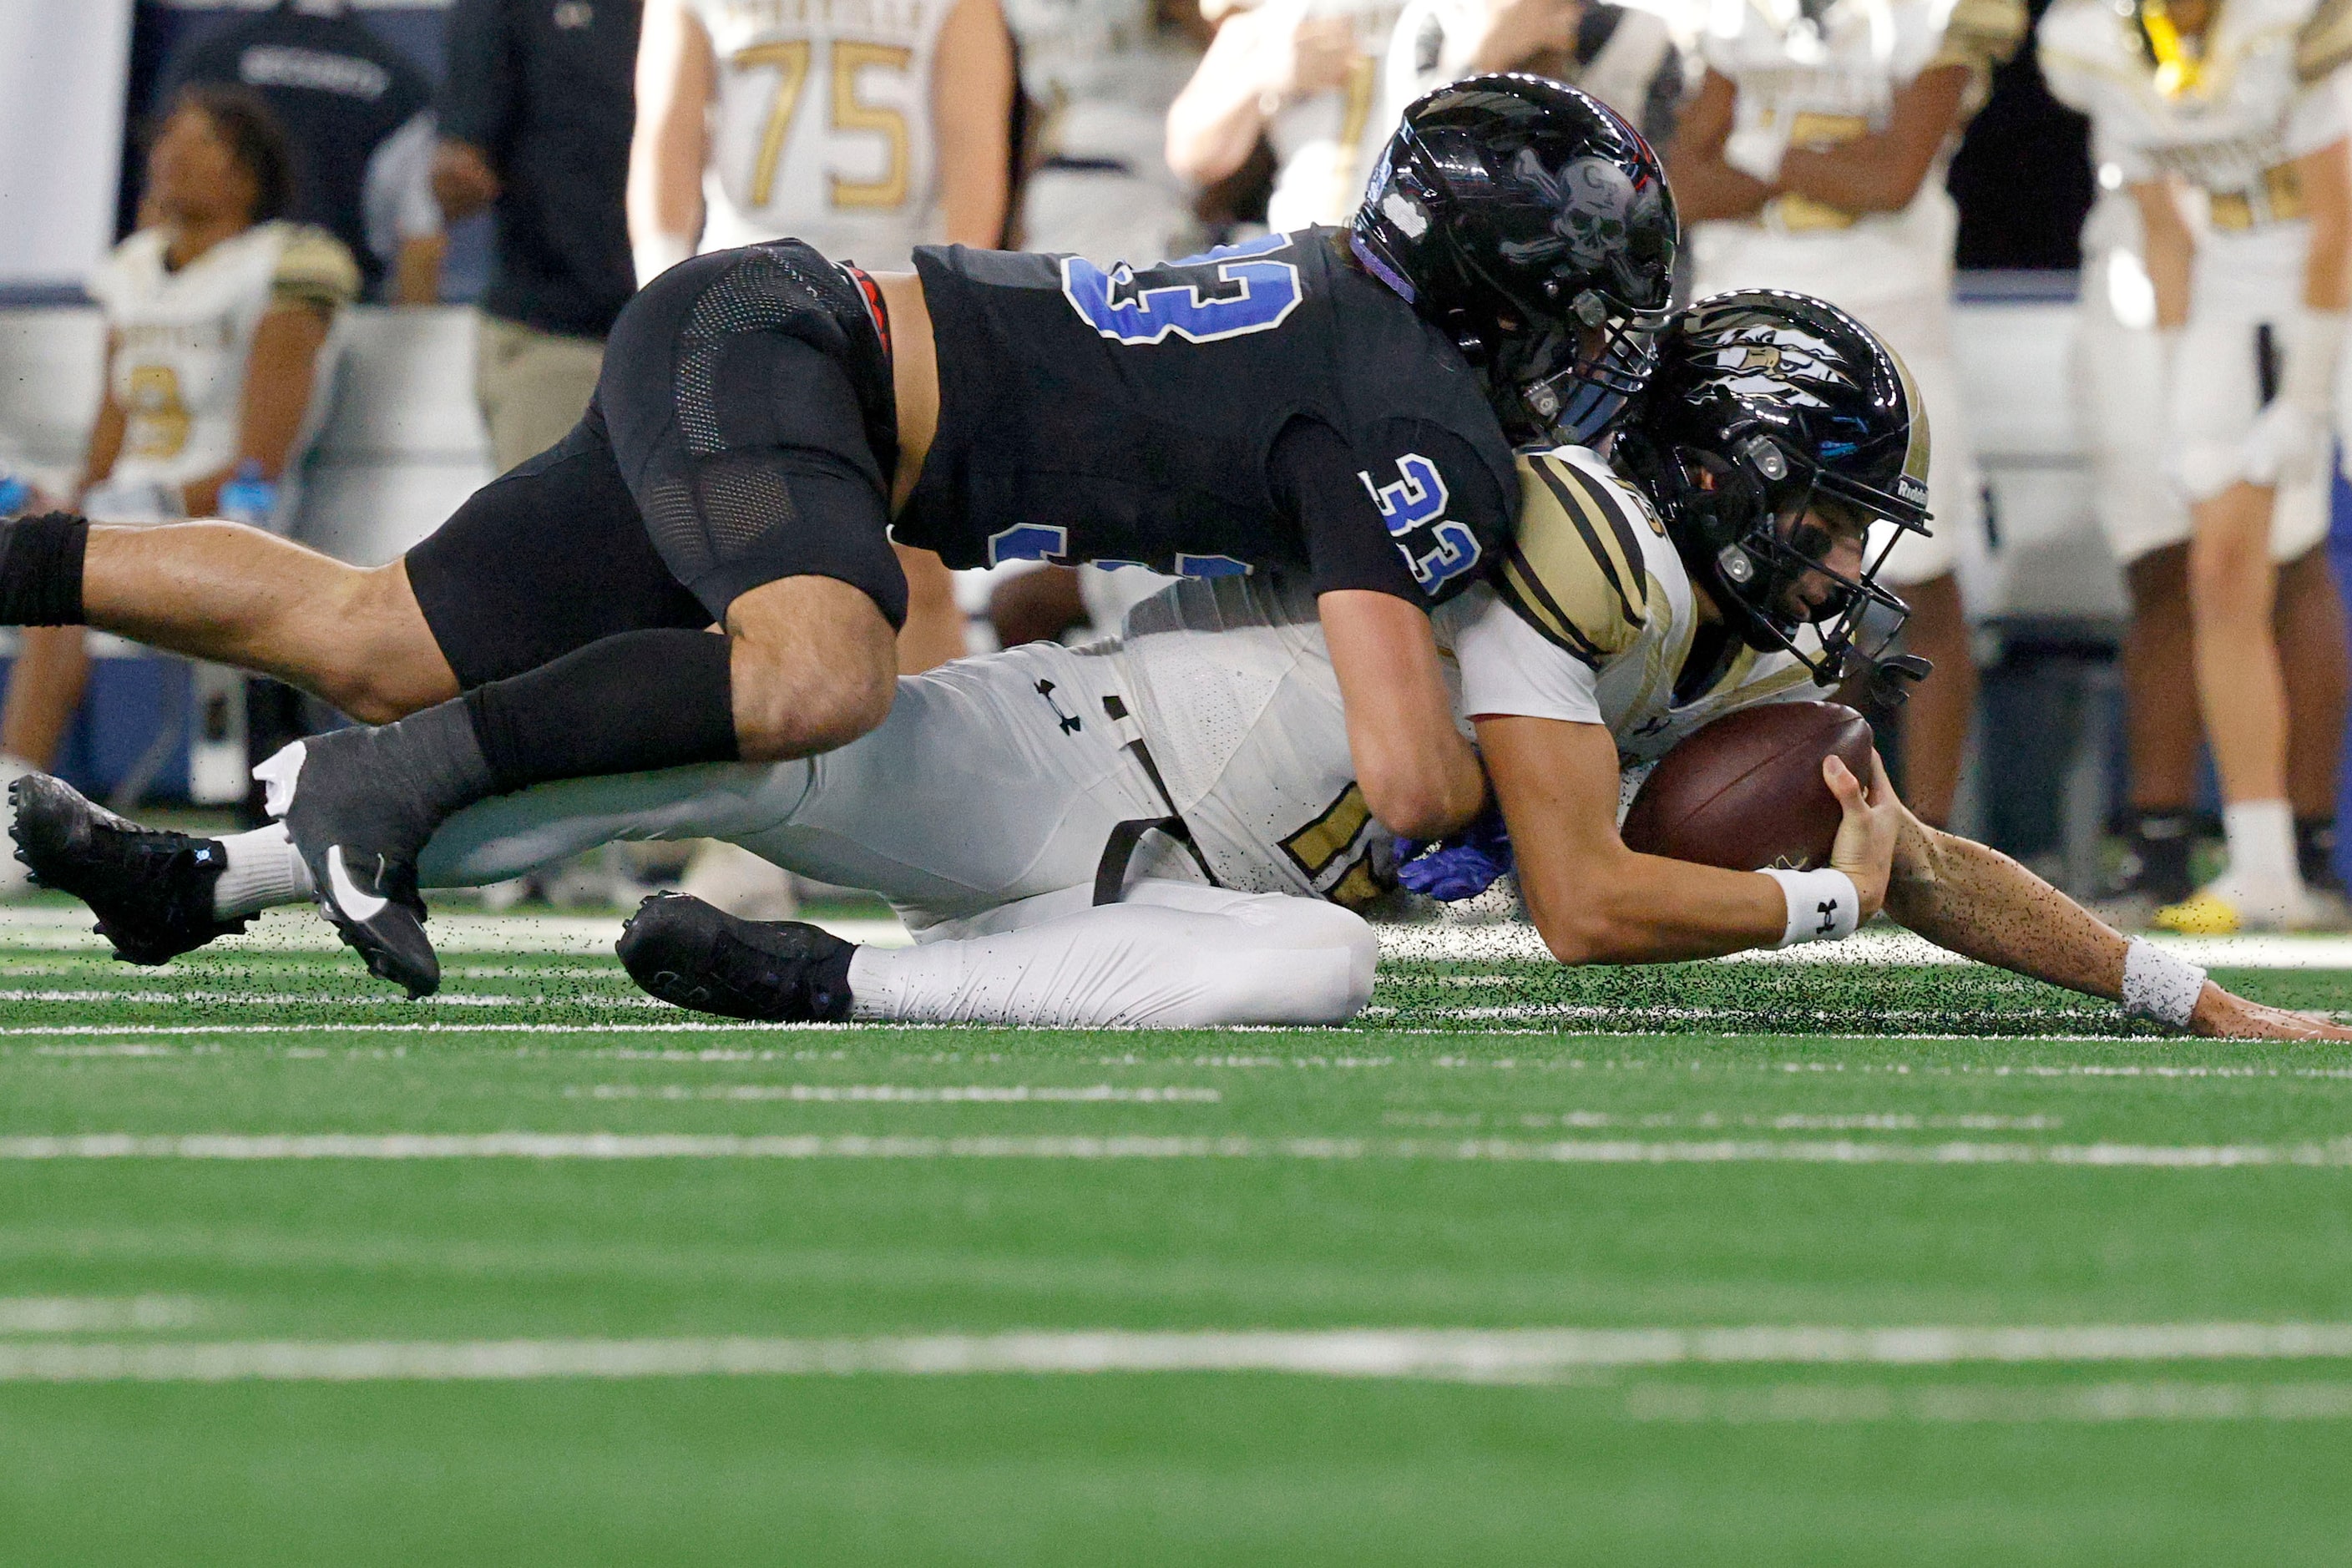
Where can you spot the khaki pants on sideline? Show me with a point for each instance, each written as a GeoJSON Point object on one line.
{"type": "Point", "coordinates": [533, 386]}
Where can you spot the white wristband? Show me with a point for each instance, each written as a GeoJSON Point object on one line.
{"type": "Point", "coordinates": [2315, 339]}
{"type": "Point", "coordinates": [2159, 987]}
{"type": "Point", "coordinates": [1823, 906]}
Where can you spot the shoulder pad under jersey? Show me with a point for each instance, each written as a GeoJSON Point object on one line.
{"type": "Point", "coordinates": [1575, 571]}
{"type": "Point", "coordinates": [2325, 44]}
{"type": "Point", "coordinates": [314, 267]}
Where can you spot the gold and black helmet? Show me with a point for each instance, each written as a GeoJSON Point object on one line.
{"type": "Point", "coordinates": [1768, 407]}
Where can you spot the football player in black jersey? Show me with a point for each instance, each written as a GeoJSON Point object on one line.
{"type": "Point", "coordinates": [1341, 403]}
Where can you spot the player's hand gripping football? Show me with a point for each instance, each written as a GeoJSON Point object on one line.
{"type": "Point", "coordinates": [1864, 849]}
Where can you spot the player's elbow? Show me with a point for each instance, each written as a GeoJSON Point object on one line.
{"type": "Point", "coordinates": [1587, 936]}
{"type": "Point", "coordinates": [1418, 808]}
{"type": "Point", "coordinates": [1583, 919]}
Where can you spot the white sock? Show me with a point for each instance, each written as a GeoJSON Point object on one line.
{"type": "Point", "coordinates": [2261, 834]}
{"type": "Point", "coordinates": [262, 872]}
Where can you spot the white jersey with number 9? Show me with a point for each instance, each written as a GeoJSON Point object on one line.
{"type": "Point", "coordinates": [821, 125]}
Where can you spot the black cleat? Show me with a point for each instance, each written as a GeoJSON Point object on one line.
{"type": "Point", "coordinates": [365, 876]}
{"type": "Point", "coordinates": [152, 891]}
{"type": "Point", "coordinates": [693, 955]}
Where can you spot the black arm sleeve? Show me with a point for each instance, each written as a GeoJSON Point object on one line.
{"type": "Point", "coordinates": [475, 96]}
{"type": "Point", "coordinates": [1319, 481]}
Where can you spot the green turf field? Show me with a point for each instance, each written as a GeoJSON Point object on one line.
{"type": "Point", "coordinates": [1529, 1268]}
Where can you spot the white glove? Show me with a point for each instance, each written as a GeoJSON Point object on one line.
{"type": "Point", "coordinates": [1756, 150]}
{"type": "Point", "coordinates": [2287, 439]}
{"type": "Point", "coordinates": [2282, 447]}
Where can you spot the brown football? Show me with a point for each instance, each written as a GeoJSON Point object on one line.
{"type": "Point", "coordinates": [1745, 792]}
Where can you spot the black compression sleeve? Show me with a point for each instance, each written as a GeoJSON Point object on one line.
{"type": "Point", "coordinates": [40, 570]}
{"type": "Point", "coordinates": [622, 705]}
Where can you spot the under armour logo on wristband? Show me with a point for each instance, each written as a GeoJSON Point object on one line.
{"type": "Point", "coordinates": [1827, 910]}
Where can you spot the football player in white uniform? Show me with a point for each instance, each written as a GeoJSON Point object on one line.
{"type": "Point", "coordinates": [1303, 74]}
{"type": "Point", "coordinates": [1813, 158]}
{"type": "Point", "coordinates": [217, 316]}
{"type": "Point", "coordinates": [2119, 368]}
{"type": "Point", "coordinates": [1166, 829]}
{"type": "Point", "coordinates": [863, 127]}
{"type": "Point", "coordinates": [1623, 56]}
{"type": "Point", "coordinates": [2228, 124]}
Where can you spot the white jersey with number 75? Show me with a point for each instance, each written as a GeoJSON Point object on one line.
{"type": "Point", "coordinates": [821, 125]}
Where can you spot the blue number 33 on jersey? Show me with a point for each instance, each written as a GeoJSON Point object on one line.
{"type": "Point", "coordinates": [1435, 546]}
{"type": "Point", "coordinates": [1233, 291]}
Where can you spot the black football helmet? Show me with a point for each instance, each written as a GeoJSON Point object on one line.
{"type": "Point", "coordinates": [1765, 407]}
{"type": "Point", "coordinates": [1533, 224]}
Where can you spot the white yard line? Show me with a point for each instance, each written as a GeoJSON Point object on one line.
{"type": "Point", "coordinates": [94, 1314]}
{"type": "Point", "coordinates": [299, 999]}
{"type": "Point", "coordinates": [2335, 1155]}
{"type": "Point", "coordinates": [1843, 1404]}
{"type": "Point", "coordinates": [905, 1093]}
{"type": "Point", "coordinates": [1477, 1355]}
{"type": "Point", "coordinates": [60, 928]}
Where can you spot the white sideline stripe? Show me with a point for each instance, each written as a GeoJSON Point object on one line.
{"type": "Point", "coordinates": [235, 1146]}
{"type": "Point", "coordinates": [67, 929]}
{"type": "Point", "coordinates": [93, 1314]}
{"type": "Point", "coordinates": [297, 999]}
{"type": "Point", "coordinates": [907, 1094]}
{"type": "Point", "coordinates": [1477, 1355]}
{"type": "Point", "coordinates": [1818, 1404]}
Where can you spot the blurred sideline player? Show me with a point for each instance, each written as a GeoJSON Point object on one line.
{"type": "Point", "coordinates": [2240, 111]}
{"type": "Point", "coordinates": [218, 315]}
{"type": "Point", "coordinates": [1166, 829]}
{"type": "Point", "coordinates": [1342, 404]}
{"type": "Point", "coordinates": [1813, 158]}
{"type": "Point", "coordinates": [1305, 76]}
{"type": "Point", "coordinates": [1624, 57]}
{"type": "Point", "coordinates": [863, 131]}
{"type": "Point", "coordinates": [358, 114]}
{"type": "Point", "coordinates": [2119, 367]}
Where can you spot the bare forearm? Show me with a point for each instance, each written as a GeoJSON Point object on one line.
{"type": "Point", "coordinates": [1982, 904]}
{"type": "Point", "coordinates": [1646, 910]}
{"type": "Point", "coordinates": [1216, 119]}
{"type": "Point", "coordinates": [1708, 190]}
{"type": "Point", "coordinates": [2166, 249]}
{"type": "Point", "coordinates": [675, 78]}
{"type": "Point", "coordinates": [2327, 180]}
{"type": "Point", "coordinates": [974, 89]}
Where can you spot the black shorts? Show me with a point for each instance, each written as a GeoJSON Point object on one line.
{"type": "Point", "coordinates": [744, 430]}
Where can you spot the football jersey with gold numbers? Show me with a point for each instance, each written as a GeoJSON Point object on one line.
{"type": "Point", "coordinates": [1814, 73]}
{"type": "Point", "coordinates": [183, 338]}
{"type": "Point", "coordinates": [821, 125]}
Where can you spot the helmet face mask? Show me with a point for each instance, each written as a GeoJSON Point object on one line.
{"type": "Point", "coordinates": [1778, 437]}
{"type": "Point", "coordinates": [1533, 226]}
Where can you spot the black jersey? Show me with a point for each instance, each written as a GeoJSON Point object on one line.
{"type": "Point", "coordinates": [1133, 416]}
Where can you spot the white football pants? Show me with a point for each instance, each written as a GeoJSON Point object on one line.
{"type": "Point", "coordinates": [979, 810]}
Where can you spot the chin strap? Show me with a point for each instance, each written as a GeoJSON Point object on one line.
{"type": "Point", "coordinates": [1891, 680]}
